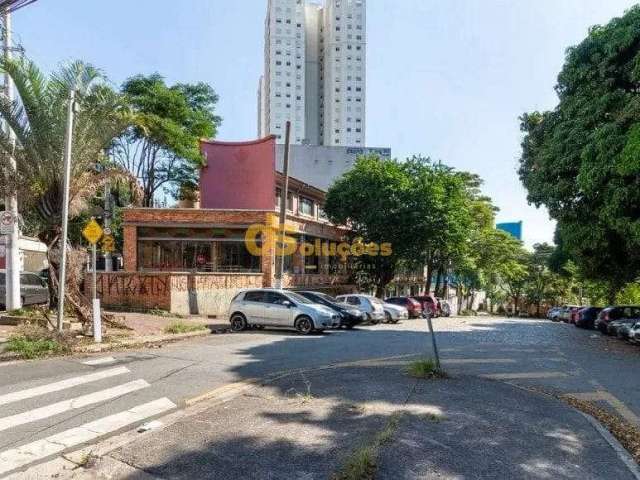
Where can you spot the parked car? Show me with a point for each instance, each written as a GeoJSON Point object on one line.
{"type": "Point", "coordinates": [429, 305]}
{"type": "Point", "coordinates": [350, 316]}
{"type": "Point", "coordinates": [619, 312]}
{"type": "Point", "coordinates": [374, 312]}
{"type": "Point", "coordinates": [279, 308]}
{"type": "Point", "coordinates": [553, 314]}
{"type": "Point", "coordinates": [574, 312]}
{"type": "Point", "coordinates": [587, 316]}
{"type": "Point", "coordinates": [565, 312]}
{"type": "Point", "coordinates": [393, 313]}
{"type": "Point", "coordinates": [33, 289]}
{"type": "Point", "coordinates": [634, 333]}
{"type": "Point", "coordinates": [414, 308]}
{"type": "Point", "coordinates": [620, 328]}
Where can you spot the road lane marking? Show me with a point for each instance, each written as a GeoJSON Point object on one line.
{"type": "Point", "coordinates": [40, 449]}
{"type": "Point", "coordinates": [603, 395]}
{"type": "Point", "coordinates": [99, 361]}
{"type": "Point", "coordinates": [464, 361]}
{"type": "Point", "coordinates": [70, 404]}
{"type": "Point", "coordinates": [524, 375]}
{"type": "Point", "coordinates": [61, 385]}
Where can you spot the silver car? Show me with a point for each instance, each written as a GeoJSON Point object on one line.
{"type": "Point", "coordinates": [394, 313]}
{"type": "Point", "coordinates": [33, 289]}
{"type": "Point", "coordinates": [370, 305]}
{"type": "Point", "coordinates": [279, 308]}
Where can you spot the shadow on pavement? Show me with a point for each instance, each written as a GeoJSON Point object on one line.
{"type": "Point", "coordinates": [307, 424]}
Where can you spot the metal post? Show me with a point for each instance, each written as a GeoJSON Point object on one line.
{"type": "Point", "coordinates": [283, 206]}
{"type": "Point", "coordinates": [68, 141]}
{"type": "Point", "coordinates": [433, 341]}
{"type": "Point", "coordinates": [94, 279]}
{"type": "Point", "coordinates": [13, 300]}
{"type": "Point", "coordinates": [107, 224]}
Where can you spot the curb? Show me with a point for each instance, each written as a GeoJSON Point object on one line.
{"type": "Point", "coordinates": [622, 452]}
{"type": "Point", "coordinates": [143, 341]}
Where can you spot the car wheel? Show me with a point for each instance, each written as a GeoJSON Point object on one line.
{"type": "Point", "coordinates": [349, 326]}
{"type": "Point", "coordinates": [387, 317]}
{"type": "Point", "coordinates": [238, 322]}
{"type": "Point", "coordinates": [304, 325]}
{"type": "Point", "coordinates": [371, 320]}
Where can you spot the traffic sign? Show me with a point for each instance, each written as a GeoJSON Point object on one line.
{"type": "Point", "coordinates": [108, 243]}
{"type": "Point", "coordinates": [92, 232]}
{"type": "Point", "coordinates": [107, 231]}
{"type": "Point", "coordinates": [6, 223]}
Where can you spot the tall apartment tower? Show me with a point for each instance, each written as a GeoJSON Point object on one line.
{"type": "Point", "coordinates": [315, 72]}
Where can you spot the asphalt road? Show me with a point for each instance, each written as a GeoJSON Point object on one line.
{"type": "Point", "coordinates": [58, 404]}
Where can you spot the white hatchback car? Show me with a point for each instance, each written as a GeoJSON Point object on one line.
{"type": "Point", "coordinates": [279, 308]}
{"type": "Point", "coordinates": [370, 305]}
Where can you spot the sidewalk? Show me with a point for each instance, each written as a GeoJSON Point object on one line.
{"type": "Point", "coordinates": [374, 420]}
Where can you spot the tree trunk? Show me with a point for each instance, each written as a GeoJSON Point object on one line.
{"type": "Point", "coordinates": [427, 285]}
{"type": "Point", "coordinates": [436, 289]}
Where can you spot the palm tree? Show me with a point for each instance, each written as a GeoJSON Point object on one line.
{"type": "Point", "coordinates": [36, 119]}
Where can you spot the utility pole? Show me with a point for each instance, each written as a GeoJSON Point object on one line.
{"type": "Point", "coordinates": [13, 300]}
{"type": "Point", "coordinates": [68, 141]}
{"type": "Point", "coordinates": [283, 207]}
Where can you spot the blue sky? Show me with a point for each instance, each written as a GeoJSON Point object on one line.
{"type": "Point", "coordinates": [446, 78]}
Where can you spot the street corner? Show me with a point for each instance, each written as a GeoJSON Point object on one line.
{"type": "Point", "coordinates": [336, 423]}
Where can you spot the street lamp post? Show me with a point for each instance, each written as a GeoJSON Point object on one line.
{"type": "Point", "coordinates": [68, 141]}
{"type": "Point", "coordinates": [13, 300]}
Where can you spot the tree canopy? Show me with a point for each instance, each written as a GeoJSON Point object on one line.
{"type": "Point", "coordinates": [582, 159]}
{"type": "Point", "coordinates": [161, 146]}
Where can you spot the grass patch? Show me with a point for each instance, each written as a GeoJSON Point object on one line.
{"type": "Point", "coordinates": [425, 368]}
{"type": "Point", "coordinates": [183, 327]}
{"type": "Point", "coordinates": [363, 462]}
{"type": "Point", "coordinates": [35, 342]}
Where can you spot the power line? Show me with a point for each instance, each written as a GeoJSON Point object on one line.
{"type": "Point", "coordinates": [13, 5]}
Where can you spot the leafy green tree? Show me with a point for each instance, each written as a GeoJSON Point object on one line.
{"type": "Point", "coordinates": [372, 199]}
{"type": "Point", "coordinates": [582, 159]}
{"type": "Point", "coordinates": [37, 118]}
{"type": "Point", "coordinates": [161, 147]}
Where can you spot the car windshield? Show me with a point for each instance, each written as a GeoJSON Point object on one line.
{"type": "Point", "coordinates": [298, 298]}
{"type": "Point", "coordinates": [376, 300]}
{"type": "Point", "coordinates": [326, 297]}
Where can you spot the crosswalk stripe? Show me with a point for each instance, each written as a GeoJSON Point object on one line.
{"type": "Point", "coordinates": [61, 385]}
{"type": "Point", "coordinates": [99, 361]}
{"type": "Point", "coordinates": [524, 375]}
{"type": "Point", "coordinates": [70, 404]}
{"type": "Point", "coordinates": [40, 449]}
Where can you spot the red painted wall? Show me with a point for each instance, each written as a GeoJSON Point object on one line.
{"type": "Point", "coordinates": [238, 174]}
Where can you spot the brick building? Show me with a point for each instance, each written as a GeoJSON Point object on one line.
{"type": "Point", "coordinates": [193, 260]}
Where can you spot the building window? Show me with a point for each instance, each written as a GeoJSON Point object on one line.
{"type": "Point", "coordinates": [305, 206]}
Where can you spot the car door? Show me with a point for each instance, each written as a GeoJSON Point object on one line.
{"type": "Point", "coordinates": [276, 312]}
{"type": "Point", "coordinates": [26, 290]}
{"type": "Point", "coordinates": [253, 306]}
{"type": "Point", "coordinates": [40, 291]}
{"type": "Point", "coordinates": [356, 302]}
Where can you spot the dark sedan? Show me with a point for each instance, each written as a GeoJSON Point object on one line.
{"type": "Point", "coordinates": [587, 316]}
{"type": "Point", "coordinates": [611, 314]}
{"type": "Point", "coordinates": [350, 317]}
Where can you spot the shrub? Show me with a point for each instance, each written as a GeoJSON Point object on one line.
{"type": "Point", "coordinates": [35, 342]}
{"type": "Point", "coordinates": [425, 368]}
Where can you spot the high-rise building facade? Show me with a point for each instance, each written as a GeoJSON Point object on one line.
{"type": "Point", "coordinates": [315, 72]}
